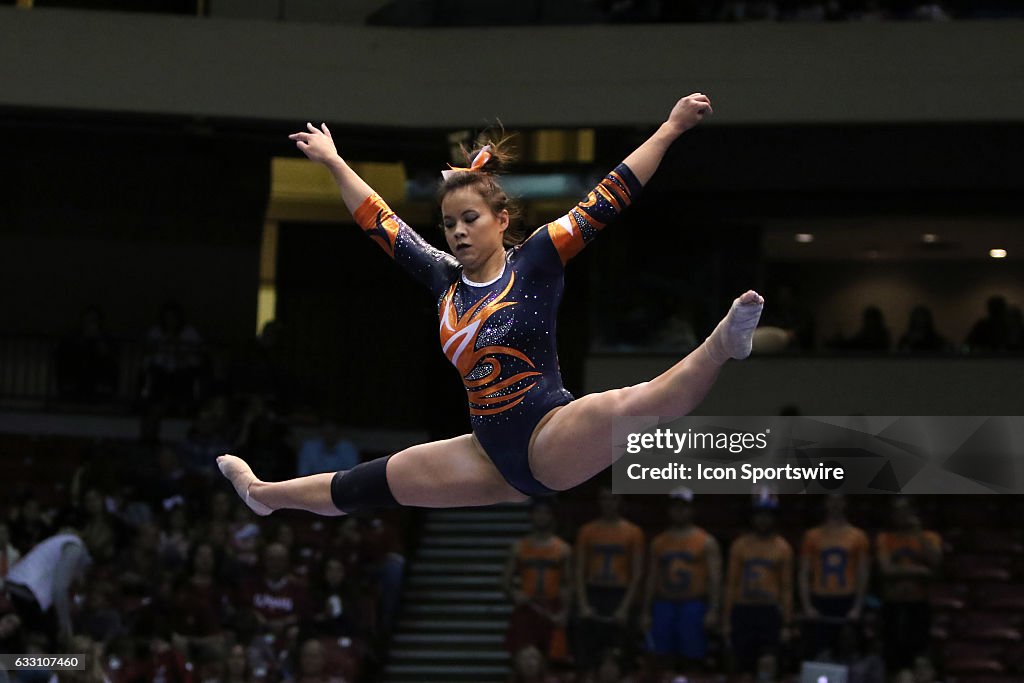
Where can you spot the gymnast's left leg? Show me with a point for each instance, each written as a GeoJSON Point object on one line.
{"type": "Point", "coordinates": [450, 473]}
{"type": "Point", "coordinates": [574, 442]}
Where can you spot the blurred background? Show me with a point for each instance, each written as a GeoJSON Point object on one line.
{"type": "Point", "coordinates": [177, 281]}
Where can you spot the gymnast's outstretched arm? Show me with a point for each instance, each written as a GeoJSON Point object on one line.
{"type": "Point", "coordinates": [318, 145]}
{"type": "Point", "coordinates": [687, 113]}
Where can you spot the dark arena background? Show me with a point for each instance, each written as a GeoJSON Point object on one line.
{"type": "Point", "coordinates": [177, 281]}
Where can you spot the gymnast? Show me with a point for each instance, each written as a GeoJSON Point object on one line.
{"type": "Point", "coordinates": [497, 296]}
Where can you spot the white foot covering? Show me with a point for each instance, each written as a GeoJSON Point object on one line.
{"type": "Point", "coordinates": [241, 477]}
{"type": "Point", "coordinates": [734, 336]}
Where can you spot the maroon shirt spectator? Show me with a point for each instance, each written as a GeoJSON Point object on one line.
{"type": "Point", "coordinates": [279, 601]}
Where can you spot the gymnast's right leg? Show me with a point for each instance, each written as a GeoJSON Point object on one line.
{"type": "Point", "coordinates": [450, 473]}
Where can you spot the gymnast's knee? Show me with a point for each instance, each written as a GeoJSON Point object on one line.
{"type": "Point", "coordinates": [364, 487]}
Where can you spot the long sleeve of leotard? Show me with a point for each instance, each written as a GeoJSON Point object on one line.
{"type": "Point", "coordinates": [573, 231]}
{"type": "Point", "coordinates": [432, 267]}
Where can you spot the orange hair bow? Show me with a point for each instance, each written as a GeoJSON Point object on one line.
{"type": "Point", "coordinates": [478, 163]}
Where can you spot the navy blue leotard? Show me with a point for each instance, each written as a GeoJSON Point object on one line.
{"type": "Point", "coordinates": [500, 335]}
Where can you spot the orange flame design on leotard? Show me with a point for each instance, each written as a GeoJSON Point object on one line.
{"type": "Point", "coordinates": [458, 341]}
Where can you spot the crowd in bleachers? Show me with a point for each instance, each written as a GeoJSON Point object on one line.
{"type": "Point", "coordinates": [163, 574]}
{"type": "Point", "coordinates": [688, 590]}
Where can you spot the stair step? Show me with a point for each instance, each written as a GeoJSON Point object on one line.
{"type": "Point", "coordinates": [439, 540]}
{"type": "Point", "coordinates": [493, 610]}
{"type": "Point", "coordinates": [462, 554]}
{"type": "Point", "coordinates": [473, 672]}
{"type": "Point", "coordinates": [493, 639]}
{"type": "Point", "coordinates": [486, 528]}
{"type": "Point", "coordinates": [449, 595]}
{"type": "Point", "coordinates": [489, 568]}
{"type": "Point", "coordinates": [429, 580]}
{"type": "Point", "coordinates": [478, 626]}
{"type": "Point", "coordinates": [478, 515]}
{"type": "Point", "coordinates": [454, 655]}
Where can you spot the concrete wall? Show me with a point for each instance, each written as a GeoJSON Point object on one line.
{"type": "Point", "coordinates": [550, 76]}
{"type": "Point", "coordinates": [841, 386]}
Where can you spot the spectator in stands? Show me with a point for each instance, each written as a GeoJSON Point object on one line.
{"type": "Point", "coordinates": [236, 665]}
{"type": "Point", "coordinates": [538, 581]}
{"type": "Point", "coordinates": [9, 555]}
{"type": "Point", "coordinates": [1015, 329]}
{"type": "Point", "coordinates": [40, 585]}
{"type": "Point", "coordinates": [312, 665]}
{"type": "Point", "coordinates": [991, 333]}
{"type": "Point", "coordinates": [328, 451]}
{"type": "Point", "coordinates": [100, 619]}
{"type": "Point", "coordinates": [924, 670]}
{"type": "Point", "coordinates": [175, 362]}
{"type": "Point", "coordinates": [96, 525]}
{"type": "Point", "coordinates": [207, 438]}
{"type": "Point", "coordinates": [834, 571]}
{"type": "Point", "coordinates": [257, 368]}
{"type": "Point", "coordinates": [873, 334]}
{"type": "Point", "coordinates": [93, 671]}
{"type": "Point", "coordinates": [683, 591]}
{"type": "Point", "coordinates": [790, 315]}
{"type": "Point", "coordinates": [279, 601]}
{"type": "Point", "coordinates": [86, 361]}
{"type": "Point", "coordinates": [608, 568]}
{"type": "Point", "coordinates": [383, 562]}
{"type": "Point", "coordinates": [758, 589]}
{"type": "Point", "coordinates": [29, 525]}
{"type": "Point", "coordinates": [263, 439]}
{"type": "Point", "coordinates": [921, 335]}
{"type": "Point", "coordinates": [202, 604]}
{"type": "Point", "coordinates": [748, 10]}
{"type": "Point", "coordinates": [139, 564]}
{"type": "Point", "coordinates": [908, 559]}
{"type": "Point", "coordinates": [174, 537]}
{"type": "Point", "coordinates": [335, 600]}
{"type": "Point", "coordinates": [529, 666]}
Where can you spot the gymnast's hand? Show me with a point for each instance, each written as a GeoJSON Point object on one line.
{"type": "Point", "coordinates": [317, 144]}
{"type": "Point", "coordinates": [689, 111]}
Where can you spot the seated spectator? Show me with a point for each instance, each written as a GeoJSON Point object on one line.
{"type": "Point", "coordinates": [278, 600]}
{"type": "Point", "coordinates": [992, 332]}
{"type": "Point", "coordinates": [174, 537]}
{"type": "Point", "coordinates": [236, 665]}
{"type": "Point", "coordinates": [9, 555]}
{"type": "Point", "coordinates": [175, 364]}
{"type": "Point", "coordinates": [207, 438]}
{"type": "Point", "coordinates": [257, 368]}
{"type": "Point", "coordinates": [383, 562]}
{"type": "Point", "coordinates": [529, 666]}
{"type": "Point", "coordinates": [202, 605]}
{"type": "Point", "coordinates": [312, 665]}
{"type": "Point", "coordinates": [337, 607]}
{"type": "Point", "coordinates": [263, 441]}
{"type": "Point", "coordinates": [86, 361]}
{"type": "Point", "coordinates": [873, 334]}
{"type": "Point", "coordinates": [748, 10]}
{"type": "Point", "coordinates": [921, 335]}
{"type": "Point", "coordinates": [100, 619]}
{"type": "Point", "coordinates": [790, 315]}
{"type": "Point", "coordinates": [29, 524]}
{"type": "Point", "coordinates": [328, 451]}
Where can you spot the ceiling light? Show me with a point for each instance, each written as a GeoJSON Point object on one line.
{"type": "Point", "coordinates": [997, 253]}
{"type": "Point", "coordinates": [804, 237]}
{"type": "Point", "coordinates": [929, 238]}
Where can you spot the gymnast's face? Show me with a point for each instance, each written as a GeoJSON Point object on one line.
{"type": "Point", "coordinates": [471, 228]}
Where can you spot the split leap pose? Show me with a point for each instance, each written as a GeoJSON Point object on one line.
{"type": "Point", "coordinates": [497, 297]}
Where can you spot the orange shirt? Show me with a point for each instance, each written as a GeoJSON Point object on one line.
{"type": "Point", "coordinates": [681, 564]}
{"type": "Point", "coordinates": [607, 551]}
{"type": "Point", "coordinates": [906, 549]}
{"type": "Point", "coordinates": [834, 555]}
{"type": "Point", "coordinates": [760, 572]}
{"type": "Point", "coordinates": [540, 566]}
